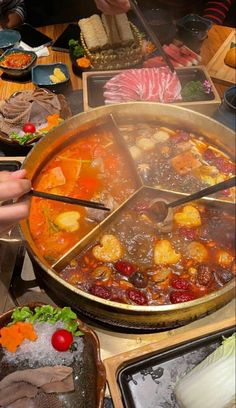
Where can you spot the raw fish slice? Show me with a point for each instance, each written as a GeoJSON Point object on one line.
{"type": "Point", "coordinates": [16, 391]}
{"type": "Point", "coordinates": [37, 376]}
{"type": "Point", "coordinates": [65, 385]}
{"type": "Point", "coordinates": [41, 400]}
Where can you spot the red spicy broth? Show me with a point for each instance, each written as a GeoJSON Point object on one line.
{"type": "Point", "coordinates": [92, 168]}
{"type": "Point", "coordinates": [137, 261]}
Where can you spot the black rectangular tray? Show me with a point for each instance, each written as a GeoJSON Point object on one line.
{"type": "Point", "coordinates": [96, 82]}
{"type": "Point", "coordinates": [150, 381]}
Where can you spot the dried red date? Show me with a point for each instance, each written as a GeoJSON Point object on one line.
{"type": "Point", "coordinates": [223, 275]}
{"type": "Point", "coordinates": [204, 275]}
{"type": "Point", "coordinates": [224, 165]}
{"type": "Point", "coordinates": [125, 268]}
{"type": "Point", "coordinates": [137, 297]}
{"type": "Point", "coordinates": [139, 279]}
{"type": "Point", "coordinates": [209, 155]}
{"type": "Point", "coordinates": [220, 162]}
{"type": "Point", "coordinates": [188, 233]}
{"type": "Point", "coordinates": [179, 296]}
{"type": "Point", "coordinates": [181, 136]}
{"type": "Point", "coordinates": [180, 283]}
{"type": "Point", "coordinates": [101, 292]}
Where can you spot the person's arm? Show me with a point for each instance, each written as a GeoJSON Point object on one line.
{"type": "Point", "coordinates": [216, 11]}
{"type": "Point", "coordinates": [13, 185]}
{"type": "Point", "coordinates": [13, 14]}
{"type": "Point", "coordinates": [113, 6]}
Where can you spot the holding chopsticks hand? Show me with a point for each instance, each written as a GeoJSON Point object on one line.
{"type": "Point", "coordinates": [113, 6]}
{"type": "Point", "coordinates": [13, 185]}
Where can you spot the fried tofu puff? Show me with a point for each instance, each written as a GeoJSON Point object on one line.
{"type": "Point", "coordinates": [164, 253]}
{"type": "Point", "coordinates": [68, 221]}
{"type": "Point", "coordinates": [197, 252]}
{"type": "Point", "coordinates": [188, 217]}
{"type": "Point", "coordinates": [224, 258]}
{"type": "Point", "coordinates": [135, 152]}
{"type": "Point", "coordinates": [109, 249]}
{"type": "Point", "coordinates": [146, 144]}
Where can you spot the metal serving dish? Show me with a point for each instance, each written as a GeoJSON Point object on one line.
{"type": "Point", "coordinates": [105, 311]}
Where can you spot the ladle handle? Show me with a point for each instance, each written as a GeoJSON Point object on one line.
{"type": "Point", "coordinates": [205, 192]}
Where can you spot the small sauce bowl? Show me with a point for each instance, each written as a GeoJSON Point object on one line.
{"type": "Point", "coordinates": [193, 29]}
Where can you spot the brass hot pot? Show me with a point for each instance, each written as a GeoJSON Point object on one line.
{"type": "Point", "coordinates": [112, 313]}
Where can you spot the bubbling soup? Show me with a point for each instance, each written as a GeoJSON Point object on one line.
{"type": "Point", "coordinates": [94, 167]}
{"type": "Point", "coordinates": [139, 261]}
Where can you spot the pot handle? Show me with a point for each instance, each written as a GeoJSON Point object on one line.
{"type": "Point", "coordinates": [12, 237]}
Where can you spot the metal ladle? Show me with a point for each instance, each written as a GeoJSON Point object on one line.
{"type": "Point", "coordinates": [159, 209]}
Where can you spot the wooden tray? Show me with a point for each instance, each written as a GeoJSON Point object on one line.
{"type": "Point", "coordinates": [216, 67]}
{"type": "Point", "coordinates": [114, 364]}
{"type": "Point", "coordinates": [94, 81]}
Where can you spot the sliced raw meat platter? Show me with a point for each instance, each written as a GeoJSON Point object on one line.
{"type": "Point", "coordinates": [180, 56]}
{"type": "Point", "coordinates": [186, 51]}
{"type": "Point", "coordinates": [189, 58]}
{"type": "Point", "coordinates": [145, 84]}
{"type": "Point", "coordinates": [176, 55]}
{"type": "Point", "coordinates": [158, 61]}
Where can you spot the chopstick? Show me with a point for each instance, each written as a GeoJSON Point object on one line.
{"type": "Point", "coordinates": [205, 192]}
{"type": "Point", "coordinates": [151, 33]}
{"type": "Point", "coordinates": [69, 200]}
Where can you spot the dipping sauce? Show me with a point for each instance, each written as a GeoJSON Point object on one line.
{"type": "Point", "coordinates": [17, 60]}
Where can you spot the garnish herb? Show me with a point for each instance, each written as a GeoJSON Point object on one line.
{"type": "Point", "coordinates": [22, 139]}
{"type": "Point", "coordinates": [195, 90]}
{"type": "Point", "coordinates": [77, 49]}
{"type": "Point", "coordinates": [49, 314]}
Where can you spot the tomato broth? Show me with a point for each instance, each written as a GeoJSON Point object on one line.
{"type": "Point", "coordinates": [94, 167]}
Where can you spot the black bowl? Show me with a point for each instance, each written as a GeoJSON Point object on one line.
{"type": "Point", "coordinates": [18, 72]}
{"type": "Point", "coordinates": [193, 29]}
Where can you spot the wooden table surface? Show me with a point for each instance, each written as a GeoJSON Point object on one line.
{"type": "Point", "coordinates": [216, 37]}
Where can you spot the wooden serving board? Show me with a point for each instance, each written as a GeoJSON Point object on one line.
{"type": "Point", "coordinates": [216, 67]}
{"type": "Point", "coordinates": [114, 364]}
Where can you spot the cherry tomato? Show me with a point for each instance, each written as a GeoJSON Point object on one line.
{"type": "Point", "coordinates": [61, 340]}
{"type": "Point", "coordinates": [29, 128]}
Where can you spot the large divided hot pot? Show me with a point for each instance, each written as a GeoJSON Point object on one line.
{"type": "Point", "coordinates": [128, 316]}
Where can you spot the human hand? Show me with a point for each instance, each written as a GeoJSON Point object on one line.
{"type": "Point", "coordinates": [13, 185]}
{"type": "Point", "coordinates": [113, 6]}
